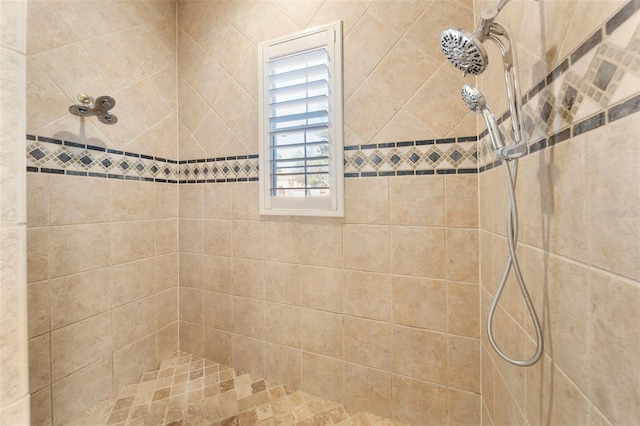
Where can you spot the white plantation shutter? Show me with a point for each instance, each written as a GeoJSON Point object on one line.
{"type": "Point", "coordinates": [301, 124]}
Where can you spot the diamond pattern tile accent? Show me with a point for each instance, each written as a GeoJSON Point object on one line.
{"type": "Point", "coordinates": [187, 390]}
{"type": "Point", "coordinates": [91, 161]}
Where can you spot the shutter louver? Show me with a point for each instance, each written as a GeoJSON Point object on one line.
{"type": "Point", "coordinates": [298, 124]}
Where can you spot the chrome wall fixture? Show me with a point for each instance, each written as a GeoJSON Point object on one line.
{"type": "Point", "coordinates": [99, 108]}
{"type": "Point", "coordinates": [467, 53]}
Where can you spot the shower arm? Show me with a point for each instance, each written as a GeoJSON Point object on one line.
{"type": "Point", "coordinates": [496, 33]}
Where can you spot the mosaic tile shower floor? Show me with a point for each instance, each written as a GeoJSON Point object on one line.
{"type": "Point", "coordinates": [187, 390]}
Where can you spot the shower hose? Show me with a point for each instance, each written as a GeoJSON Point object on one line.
{"type": "Point", "coordinates": [510, 171]}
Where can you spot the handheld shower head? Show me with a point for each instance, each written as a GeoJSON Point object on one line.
{"type": "Point", "coordinates": [464, 51]}
{"type": "Point", "coordinates": [476, 102]}
{"type": "Point", "coordinates": [473, 98]}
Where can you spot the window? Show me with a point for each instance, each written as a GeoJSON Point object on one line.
{"type": "Point", "coordinates": [301, 159]}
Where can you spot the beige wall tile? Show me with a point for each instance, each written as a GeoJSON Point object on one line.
{"type": "Point", "coordinates": [367, 295]}
{"type": "Point", "coordinates": [420, 353]}
{"type": "Point", "coordinates": [134, 359]}
{"type": "Point", "coordinates": [417, 251]}
{"type": "Point", "coordinates": [167, 197]}
{"type": "Point", "coordinates": [613, 345]}
{"type": "Point", "coordinates": [248, 317]}
{"type": "Point", "coordinates": [131, 200]}
{"type": "Point", "coordinates": [80, 344]}
{"type": "Point", "coordinates": [217, 346]}
{"type": "Point", "coordinates": [366, 247]}
{"type": "Point", "coordinates": [37, 254]}
{"type": "Point", "coordinates": [283, 324]}
{"type": "Point", "coordinates": [462, 255]}
{"type": "Point", "coordinates": [131, 241]}
{"type": "Point", "coordinates": [487, 388]}
{"type": "Point", "coordinates": [191, 270]}
{"type": "Point", "coordinates": [75, 200]}
{"type": "Point", "coordinates": [322, 332]}
{"type": "Point", "coordinates": [416, 200]}
{"type": "Point", "coordinates": [191, 305]}
{"type": "Point", "coordinates": [248, 354]}
{"type": "Point", "coordinates": [368, 42]}
{"type": "Point", "coordinates": [191, 201]}
{"type": "Point", "coordinates": [419, 302]}
{"type": "Point", "coordinates": [167, 341]}
{"type": "Point", "coordinates": [41, 413]}
{"type": "Point", "coordinates": [368, 109]}
{"type": "Point", "coordinates": [558, 199]}
{"type": "Point", "coordinates": [322, 376]}
{"type": "Point", "coordinates": [404, 59]}
{"type": "Point", "coordinates": [191, 238]}
{"type": "Point", "coordinates": [284, 365]}
{"type": "Point", "coordinates": [167, 306]}
{"type": "Point", "coordinates": [283, 282]}
{"type": "Point", "coordinates": [80, 296]}
{"type": "Point", "coordinates": [82, 389]}
{"type": "Point", "coordinates": [613, 230]}
{"type": "Point", "coordinates": [554, 398]}
{"type": "Point", "coordinates": [218, 310]}
{"type": "Point", "coordinates": [461, 201]}
{"type": "Point", "coordinates": [218, 273]}
{"type": "Point", "coordinates": [133, 321]}
{"type": "Point", "coordinates": [248, 278]}
{"type": "Point", "coordinates": [302, 242]}
{"type": "Point", "coordinates": [431, 95]}
{"type": "Point", "coordinates": [464, 408]}
{"type": "Point", "coordinates": [37, 199]}
{"type": "Point", "coordinates": [132, 281]}
{"type": "Point", "coordinates": [568, 314]}
{"type": "Point", "coordinates": [321, 288]}
{"type": "Point", "coordinates": [248, 239]}
{"type": "Point", "coordinates": [39, 308]}
{"type": "Point", "coordinates": [463, 363]}
{"type": "Point", "coordinates": [191, 338]}
{"type": "Point", "coordinates": [367, 389]}
{"type": "Point", "coordinates": [417, 402]}
{"type": "Point", "coordinates": [367, 343]}
{"type": "Point", "coordinates": [39, 362]}
{"type": "Point", "coordinates": [217, 201]}
{"type": "Point", "coordinates": [218, 237]}
{"type": "Point", "coordinates": [463, 309]}
{"type": "Point", "coordinates": [166, 271]}
{"type": "Point", "coordinates": [166, 236]}
{"type": "Point", "coordinates": [367, 200]}
{"type": "Point", "coordinates": [244, 196]}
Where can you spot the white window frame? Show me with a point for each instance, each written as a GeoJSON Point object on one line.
{"type": "Point", "coordinates": [329, 36]}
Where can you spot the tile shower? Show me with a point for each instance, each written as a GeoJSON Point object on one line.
{"type": "Point", "coordinates": [125, 265]}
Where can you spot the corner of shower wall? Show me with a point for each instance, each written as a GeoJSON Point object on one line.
{"type": "Point", "coordinates": [578, 223]}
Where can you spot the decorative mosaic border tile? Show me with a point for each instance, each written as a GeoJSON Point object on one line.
{"type": "Point", "coordinates": [47, 155]}
{"type": "Point", "coordinates": [433, 156]}
{"type": "Point", "coordinates": [557, 102]}
{"type": "Point", "coordinates": [242, 168]}
{"type": "Point", "coordinates": [609, 115]}
{"type": "Point", "coordinates": [462, 155]}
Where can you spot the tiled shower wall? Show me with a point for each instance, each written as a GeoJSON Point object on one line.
{"type": "Point", "coordinates": [379, 309]}
{"type": "Point", "coordinates": [579, 204]}
{"type": "Point", "coordinates": [14, 375]}
{"type": "Point", "coordinates": [102, 253]}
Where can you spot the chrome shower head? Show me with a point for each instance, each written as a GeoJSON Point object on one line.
{"type": "Point", "coordinates": [464, 51]}
{"type": "Point", "coordinates": [473, 98]}
{"type": "Point", "coordinates": [475, 101]}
